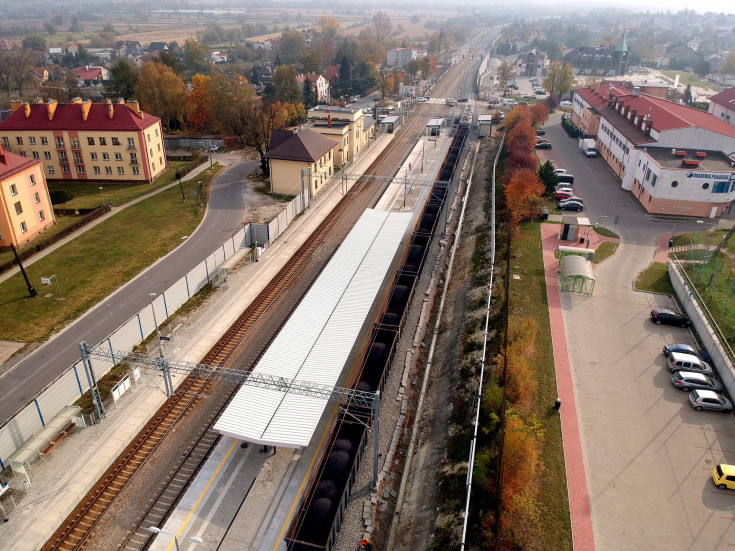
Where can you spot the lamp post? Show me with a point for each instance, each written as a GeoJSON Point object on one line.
{"type": "Point", "coordinates": [151, 298]}
{"type": "Point", "coordinates": [178, 176]}
{"type": "Point", "coordinates": [103, 195]}
{"type": "Point", "coordinates": [157, 530]}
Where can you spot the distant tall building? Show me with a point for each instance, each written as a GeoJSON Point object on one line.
{"type": "Point", "coordinates": [602, 60]}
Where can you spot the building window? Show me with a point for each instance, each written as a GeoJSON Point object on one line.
{"type": "Point", "coordinates": [18, 208]}
{"type": "Point", "coordinates": [118, 156]}
{"type": "Point", "coordinates": [36, 155]}
{"type": "Point", "coordinates": [23, 227]}
{"type": "Point", "coordinates": [103, 141]}
{"type": "Point", "coordinates": [653, 181]}
{"type": "Point", "coordinates": [115, 141]}
{"type": "Point", "coordinates": [90, 140]}
{"type": "Point", "coordinates": [41, 216]}
{"type": "Point", "coordinates": [93, 156]}
{"type": "Point", "coordinates": [159, 147]}
{"type": "Point", "coordinates": [136, 171]}
{"type": "Point", "coordinates": [96, 169]}
{"type": "Point", "coordinates": [108, 170]}
{"type": "Point", "coordinates": [44, 141]}
{"type": "Point", "coordinates": [36, 198]}
{"type": "Point", "coordinates": [133, 158]}
{"type": "Point", "coordinates": [153, 166]}
{"type": "Point", "coordinates": [65, 169]}
{"type": "Point", "coordinates": [50, 169]}
{"type": "Point", "coordinates": [74, 143]}
{"type": "Point", "coordinates": [6, 143]}
{"type": "Point", "coordinates": [121, 170]}
{"type": "Point", "coordinates": [149, 137]}
{"type": "Point", "coordinates": [32, 179]}
{"type": "Point", "coordinates": [13, 191]}
{"type": "Point", "coordinates": [105, 156]}
{"type": "Point", "coordinates": [156, 132]}
{"type": "Point", "coordinates": [59, 142]}
{"type": "Point", "coordinates": [721, 187]}
{"type": "Point", "coordinates": [47, 155]}
{"type": "Point", "coordinates": [160, 161]}
{"type": "Point", "coordinates": [19, 140]}
{"type": "Point", "coordinates": [80, 169]}
{"type": "Point", "coordinates": [150, 152]}
{"type": "Point", "coordinates": [62, 157]}
{"type": "Point", "coordinates": [77, 157]}
{"type": "Point", "coordinates": [32, 140]}
{"type": "Point", "coordinates": [22, 153]}
{"type": "Point", "coordinates": [131, 143]}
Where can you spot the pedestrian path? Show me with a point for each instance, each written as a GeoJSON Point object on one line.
{"type": "Point", "coordinates": [579, 501]}
{"type": "Point", "coordinates": [225, 160]}
{"type": "Point", "coordinates": [663, 250]}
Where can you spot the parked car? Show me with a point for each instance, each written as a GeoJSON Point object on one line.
{"type": "Point", "coordinates": [214, 148]}
{"type": "Point", "coordinates": [686, 362]}
{"type": "Point", "coordinates": [688, 380]}
{"type": "Point", "coordinates": [463, 100]}
{"type": "Point", "coordinates": [543, 145]}
{"type": "Point", "coordinates": [563, 185]}
{"type": "Point", "coordinates": [558, 171]}
{"type": "Point", "coordinates": [540, 132]}
{"type": "Point", "coordinates": [669, 317]}
{"type": "Point", "coordinates": [710, 400]}
{"type": "Point", "coordinates": [687, 349]}
{"type": "Point", "coordinates": [571, 204]}
{"type": "Point", "coordinates": [563, 194]}
{"type": "Point", "coordinates": [494, 101]}
{"type": "Point", "coordinates": [540, 92]}
{"type": "Point", "coordinates": [528, 96]}
{"type": "Point", "coordinates": [422, 99]}
{"type": "Point", "coordinates": [724, 476]}
{"type": "Point", "coordinates": [566, 177]}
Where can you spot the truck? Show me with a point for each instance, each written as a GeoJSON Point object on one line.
{"type": "Point", "coordinates": [587, 146]}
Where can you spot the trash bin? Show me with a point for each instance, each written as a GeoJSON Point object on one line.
{"type": "Point", "coordinates": [581, 239]}
{"type": "Point", "coordinates": [544, 213]}
{"type": "Point", "coordinates": [671, 243]}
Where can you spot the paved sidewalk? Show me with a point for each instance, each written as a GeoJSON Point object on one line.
{"type": "Point", "coordinates": [225, 160]}
{"type": "Point", "coordinates": [60, 480]}
{"type": "Point", "coordinates": [579, 501]}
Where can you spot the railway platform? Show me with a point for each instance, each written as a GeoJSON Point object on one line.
{"type": "Point", "coordinates": [58, 482]}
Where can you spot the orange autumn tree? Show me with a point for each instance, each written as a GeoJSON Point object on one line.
{"type": "Point", "coordinates": [200, 102]}
{"type": "Point", "coordinates": [522, 194]}
{"type": "Point", "coordinates": [522, 131]}
{"type": "Point", "coordinates": [540, 113]}
{"type": "Point", "coordinates": [517, 114]}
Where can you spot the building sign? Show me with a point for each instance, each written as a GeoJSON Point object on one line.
{"type": "Point", "coordinates": [711, 176]}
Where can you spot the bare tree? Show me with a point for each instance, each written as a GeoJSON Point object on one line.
{"type": "Point", "coordinates": [15, 69]}
{"type": "Point", "coordinates": [382, 26]}
{"type": "Point", "coordinates": [253, 121]}
{"type": "Point", "coordinates": [506, 70]}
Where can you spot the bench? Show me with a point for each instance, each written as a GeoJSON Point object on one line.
{"type": "Point", "coordinates": [58, 437]}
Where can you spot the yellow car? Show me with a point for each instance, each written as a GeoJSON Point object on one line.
{"type": "Point", "coordinates": [724, 476]}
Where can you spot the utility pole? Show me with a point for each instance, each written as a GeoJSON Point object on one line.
{"type": "Point", "coordinates": [178, 175]}
{"type": "Point", "coordinates": [31, 291]}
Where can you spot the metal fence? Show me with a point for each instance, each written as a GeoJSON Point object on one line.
{"type": "Point", "coordinates": [72, 383]}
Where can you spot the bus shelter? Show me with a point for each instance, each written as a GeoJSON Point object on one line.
{"type": "Point", "coordinates": [577, 275]}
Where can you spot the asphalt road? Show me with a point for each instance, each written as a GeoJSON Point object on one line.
{"type": "Point", "coordinates": [228, 199]}
{"type": "Point", "coordinates": [648, 455]}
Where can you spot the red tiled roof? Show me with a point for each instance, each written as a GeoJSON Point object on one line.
{"type": "Point", "coordinates": [10, 163]}
{"type": "Point", "coordinates": [68, 116]}
{"type": "Point", "coordinates": [725, 98]}
{"type": "Point", "coordinates": [665, 114]}
{"type": "Point", "coordinates": [89, 73]}
{"type": "Point", "coordinates": [332, 71]}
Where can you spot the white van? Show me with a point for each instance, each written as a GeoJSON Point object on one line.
{"type": "Point", "coordinates": [509, 102]}
{"type": "Point", "coordinates": [686, 362]}
{"type": "Point", "coordinates": [565, 104]}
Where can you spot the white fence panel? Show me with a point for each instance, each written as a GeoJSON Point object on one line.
{"type": "Point", "coordinates": [127, 335]}
{"type": "Point", "coordinates": [219, 256]}
{"type": "Point", "coordinates": [240, 238]}
{"type": "Point", "coordinates": [176, 295]}
{"type": "Point", "coordinates": [197, 278]}
{"type": "Point", "coordinates": [61, 394]}
{"type": "Point", "coordinates": [211, 265]}
{"type": "Point", "coordinates": [273, 232]}
{"type": "Point", "coordinates": [82, 377]}
{"type": "Point", "coordinates": [18, 430]}
{"type": "Point", "coordinates": [146, 316]}
{"type": "Point", "coordinates": [282, 222]}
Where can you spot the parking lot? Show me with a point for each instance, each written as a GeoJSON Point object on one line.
{"type": "Point", "coordinates": [648, 455]}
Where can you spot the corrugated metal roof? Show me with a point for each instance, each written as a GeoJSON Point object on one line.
{"type": "Point", "coordinates": [317, 339]}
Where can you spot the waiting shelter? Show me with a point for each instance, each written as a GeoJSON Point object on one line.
{"type": "Point", "coordinates": [576, 275]}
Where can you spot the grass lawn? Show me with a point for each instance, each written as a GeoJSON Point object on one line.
{"type": "Point", "coordinates": [714, 283]}
{"type": "Point", "coordinates": [89, 195]}
{"type": "Point", "coordinates": [692, 79]}
{"type": "Point", "coordinates": [655, 279]}
{"type": "Point", "coordinates": [528, 298]}
{"type": "Point", "coordinates": [62, 222]}
{"type": "Point", "coordinates": [607, 233]}
{"type": "Point", "coordinates": [97, 262]}
{"type": "Point", "coordinates": [605, 251]}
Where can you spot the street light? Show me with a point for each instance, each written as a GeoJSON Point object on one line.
{"type": "Point", "coordinates": [103, 195]}
{"type": "Point", "coordinates": [151, 298]}
{"type": "Point", "coordinates": [178, 175]}
{"type": "Point", "coordinates": [157, 530]}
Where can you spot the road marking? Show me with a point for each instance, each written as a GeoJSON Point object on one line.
{"type": "Point", "coordinates": [714, 449]}
{"type": "Point", "coordinates": [206, 488]}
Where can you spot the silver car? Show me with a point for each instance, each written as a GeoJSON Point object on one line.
{"type": "Point", "coordinates": [688, 380]}
{"type": "Point", "coordinates": [708, 399]}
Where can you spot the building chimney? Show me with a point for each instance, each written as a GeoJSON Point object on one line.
{"type": "Point", "coordinates": [27, 109]}
{"type": "Point", "coordinates": [636, 91]}
{"type": "Point", "coordinates": [76, 101]}
{"type": "Point", "coordinates": [86, 106]}
{"type": "Point", "coordinates": [15, 105]}
{"type": "Point", "coordinates": [120, 101]}
{"type": "Point", "coordinates": [110, 109]}
{"type": "Point", "coordinates": [3, 158]}
{"type": "Point", "coordinates": [329, 120]}
{"type": "Point", "coordinates": [135, 107]}
{"type": "Point", "coordinates": [51, 108]}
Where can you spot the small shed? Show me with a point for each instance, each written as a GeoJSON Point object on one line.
{"type": "Point", "coordinates": [589, 254]}
{"type": "Point", "coordinates": [574, 228]}
{"type": "Point", "coordinates": [484, 125]}
{"type": "Point", "coordinates": [434, 127]}
{"type": "Point", "coordinates": [390, 124]}
{"type": "Point", "coordinates": [577, 275]}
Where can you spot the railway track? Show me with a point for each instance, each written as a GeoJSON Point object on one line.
{"type": "Point", "coordinates": [75, 532]}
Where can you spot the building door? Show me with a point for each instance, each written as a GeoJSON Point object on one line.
{"type": "Point", "coordinates": [712, 212]}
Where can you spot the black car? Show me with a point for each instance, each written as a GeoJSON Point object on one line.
{"type": "Point", "coordinates": [463, 100]}
{"type": "Point", "coordinates": [543, 145]}
{"type": "Point", "coordinates": [687, 349]}
{"type": "Point", "coordinates": [669, 317]}
{"type": "Point", "coordinates": [540, 132]}
{"type": "Point", "coordinates": [571, 205]}
{"type": "Point", "coordinates": [540, 92]}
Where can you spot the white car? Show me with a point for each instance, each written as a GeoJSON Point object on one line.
{"type": "Point", "coordinates": [422, 99]}
{"type": "Point", "coordinates": [558, 171]}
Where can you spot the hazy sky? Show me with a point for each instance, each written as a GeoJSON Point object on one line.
{"type": "Point", "coordinates": [717, 6]}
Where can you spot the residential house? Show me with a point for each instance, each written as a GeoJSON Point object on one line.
{"type": "Point", "coordinates": [25, 205]}
{"type": "Point", "coordinates": [332, 75]}
{"type": "Point", "coordinates": [40, 74]}
{"type": "Point", "coordinates": [602, 60]}
{"type": "Point", "coordinates": [92, 75]}
{"type": "Point", "coordinates": [722, 105]}
{"type": "Point", "coordinates": [674, 159]}
{"type": "Point", "coordinates": [6, 44]}
{"type": "Point", "coordinates": [318, 82]}
{"type": "Point", "coordinates": [531, 63]}
{"type": "Point", "coordinates": [300, 160]}
{"type": "Point", "coordinates": [661, 62]}
{"type": "Point", "coordinates": [154, 47]}
{"type": "Point", "coordinates": [83, 141]}
{"type": "Point", "coordinates": [218, 57]}
{"type": "Point", "coordinates": [348, 126]}
{"type": "Point", "coordinates": [126, 47]}
{"type": "Point", "coordinates": [682, 57]}
{"type": "Point", "coordinates": [399, 57]}
{"type": "Point", "coordinates": [722, 79]}
{"type": "Point", "coordinates": [71, 49]}
{"type": "Point", "coordinates": [101, 54]}
{"type": "Point", "coordinates": [55, 54]}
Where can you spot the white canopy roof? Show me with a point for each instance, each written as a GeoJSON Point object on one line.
{"type": "Point", "coordinates": [317, 339]}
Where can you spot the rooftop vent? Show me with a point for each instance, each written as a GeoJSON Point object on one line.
{"type": "Point", "coordinates": [681, 153]}
{"type": "Point", "coordinates": [701, 155]}
{"type": "Point", "coordinates": [689, 162]}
